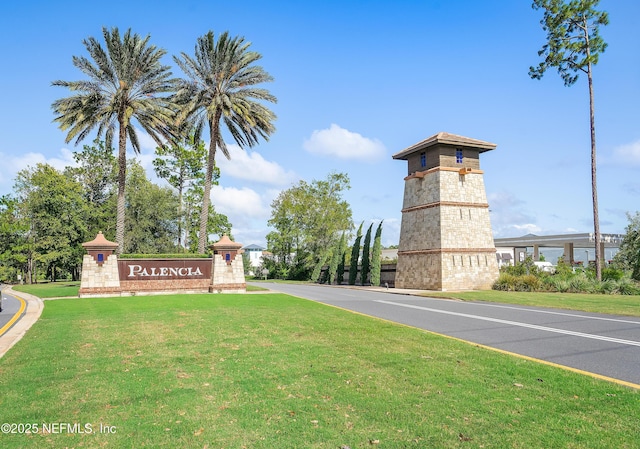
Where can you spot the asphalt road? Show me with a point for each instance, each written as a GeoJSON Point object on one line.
{"type": "Point", "coordinates": [10, 306]}
{"type": "Point", "coordinates": [606, 345]}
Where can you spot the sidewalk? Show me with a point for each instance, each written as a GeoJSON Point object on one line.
{"type": "Point", "coordinates": [31, 315]}
{"type": "Point", "coordinates": [397, 291]}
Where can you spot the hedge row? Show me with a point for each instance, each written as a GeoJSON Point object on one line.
{"type": "Point", "coordinates": [579, 283]}
{"type": "Point", "coordinates": [165, 256]}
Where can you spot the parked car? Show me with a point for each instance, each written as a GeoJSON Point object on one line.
{"type": "Point", "coordinates": [545, 266]}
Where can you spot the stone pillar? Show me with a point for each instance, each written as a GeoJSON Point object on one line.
{"type": "Point", "coordinates": [100, 275]}
{"type": "Point", "coordinates": [568, 253]}
{"type": "Point", "coordinates": [228, 269]}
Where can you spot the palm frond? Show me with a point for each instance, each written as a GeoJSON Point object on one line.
{"type": "Point", "coordinates": [126, 82]}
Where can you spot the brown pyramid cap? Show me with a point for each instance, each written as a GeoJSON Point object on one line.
{"type": "Point", "coordinates": [226, 243]}
{"type": "Point", "coordinates": [100, 243]}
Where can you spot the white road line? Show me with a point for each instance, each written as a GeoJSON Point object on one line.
{"type": "Point", "coordinates": [617, 320]}
{"type": "Point", "coordinates": [516, 323]}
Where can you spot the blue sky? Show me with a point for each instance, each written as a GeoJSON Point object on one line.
{"type": "Point", "coordinates": [357, 82]}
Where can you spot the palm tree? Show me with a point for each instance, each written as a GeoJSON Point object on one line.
{"type": "Point", "coordinates": [123, 84]}
{"type": "Point", "coordinates": [220, 85]}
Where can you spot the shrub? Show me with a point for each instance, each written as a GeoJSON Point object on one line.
{"type": "Point", "coordinates": [563, 268]}
{"type": "Point", "coordinates": [561, 285]}
{"type": "Point", "coordinates": [627, 286]}
{"type": "Point", "coordinates": [581, 284]}
{"type": "Point", "coordinates": [608, 287]}
{"type": "Point", "coordinates": [522, 268]}
{"type": "Point", "coordinates": [610, 273]}
{"type": "Point", "coordinates": [527, 277]}
{"type": "Point", "coordinates": [506, 282]}
{"type": "Point", "coordinates": [528, 283]}
{"type": "Point", "coordinates": [549, 283]}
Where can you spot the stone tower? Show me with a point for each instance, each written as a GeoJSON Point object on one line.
{"type": "Point", "coordinates": [446, 242]}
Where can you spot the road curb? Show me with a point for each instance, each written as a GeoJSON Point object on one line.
{"type": "Point", "coordinates": [35, 306]}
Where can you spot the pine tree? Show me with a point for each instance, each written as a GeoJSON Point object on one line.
{"type": "Point", "coordinates": [574, 45]}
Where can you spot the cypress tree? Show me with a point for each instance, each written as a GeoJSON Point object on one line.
{"type": "Point", "coordinates": [340, 270]}
{"type": "Point", "coordinates": [355, 255]}
{"type": "Point", "coordinates": [376, 257]}
{"type": "Point", "coordinates": [337, 253]}
{"type": "Point", "coordinates": [366, 263]}
{"type": "Point", "coordinates": [317, 271]}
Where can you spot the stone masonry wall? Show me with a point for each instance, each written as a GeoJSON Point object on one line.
{"type": "Point", "coordinates": [446, 241]}
{"type": "Point", "coordinates": [469, 270]}
{"type": "Point", "coordinates": [421, 271]}
{"type": "Point", "coordinates": [227, 277]}
{"type": "Point", "coordinates": [139, 287]}
{"type": "Point", "coordinates": [99, 279]}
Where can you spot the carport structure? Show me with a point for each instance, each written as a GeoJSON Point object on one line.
{"type": "Point", "coordinates": [568, 242]}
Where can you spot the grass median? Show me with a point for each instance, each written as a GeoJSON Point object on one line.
{"type": "Point", "coordinates": [612, 304]}
{"type": "Point", "coordinates": [273, 371]}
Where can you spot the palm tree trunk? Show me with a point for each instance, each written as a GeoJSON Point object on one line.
{"type": "Point", "coordinates": [181, 241]}
{"type": "Point", "coordinates": [206, 196]}
{"type": "Point", "coordinates": [122, 176]}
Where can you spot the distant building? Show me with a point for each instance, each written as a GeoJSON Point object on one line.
{"type": "Point", "coordinates": [255, 253]}
{"type": "Point", "coordinates": [389, 254]}
{"type": "Point", "coordinates": [573, 248]}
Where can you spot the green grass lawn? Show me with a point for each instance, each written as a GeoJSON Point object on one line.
{"type": "Point", "coordinates": [63, 289]}
{"type": "Point", "coordinates": [613, 304]}
{"type": "Point", "coordinates": [273, 371]}
{"type": "Point", "coordinates": [50, 289]}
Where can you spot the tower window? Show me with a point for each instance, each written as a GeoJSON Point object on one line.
{"type": "Point", "coordinates": [459, 157]}
{"type": "Point", "coordinates": [423, 159]}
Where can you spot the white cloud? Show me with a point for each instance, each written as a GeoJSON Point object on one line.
{"type": "Point", "coordinates": [247, 210]}
{"type": "Point", "coordinates": [527, 228]}
{"type": "Point", "coordinates": [344, 144]}
{"type": "Point", "coordinates": [145, 140]}
{"type": "Point", "coordinates": [247, 165]}
{"type": "Point", "coordinates": [390, 231]}
{"type": "Point", "coordinates": [13, 164]}
{"type": "Point", "coordinates": [628, 154]}
{"type": "Point", "coordinates": [251, 166]}
{"type": "Point", "coordinates": [234, 201]}
{"type": "Point", "coordinates": [250, 235]}
{"type": "Point", "coordinates": [59, 162]}
{"type": "Point", "coordinates": [508, 218]}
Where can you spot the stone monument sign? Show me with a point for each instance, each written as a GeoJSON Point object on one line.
{"type": "Point", "coordinates": [103, 274]}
